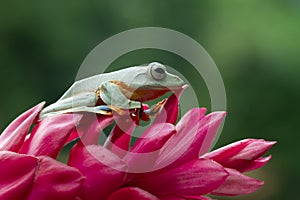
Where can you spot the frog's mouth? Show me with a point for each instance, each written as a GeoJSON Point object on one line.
{"type": "Point", "coordinates": [145, 93]}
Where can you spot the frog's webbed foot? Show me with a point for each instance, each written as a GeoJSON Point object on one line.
{"type": "Point", "coordinates": [155, 108]}
{"type": "Point", "coordinates": [139, 114]}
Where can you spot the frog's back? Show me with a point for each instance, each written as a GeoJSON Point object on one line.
{"type": "Point", "coordinates": [91, 84]}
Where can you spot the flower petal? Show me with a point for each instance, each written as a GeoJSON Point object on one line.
{"type": "Point", "coordinates": [179, 143]}
{"type": "Point", "coordinates": [169, 111]}
{"type": "Point", "coordinates": [73, 136]}
{"type": "Point", "coordinates": [90, 128]}
{"type": "Point", "coordinates": [191, 137]}
{"type": "Point", "coordinates": [144, 152]}
{"type": "Point", "coordinates": [17, 175]}
{"type": "Point", "coordinates": [104, 171]}
{"type": "Point", "coordinates": [257, 163]}
{"type": "Point", "coordinates": [55, 180]}
{"type": "Point", "coordinates": [196, 177]}
{"type": "Point", "coordinates": [50, 135]}
{"type": "Point", "coordinates": [13, 136]}
{"type": "Point", "coordinates": [118, 140]}
{"type": "Point", "coordinates": [132, 193]}
{"type": "Point", "coordinates": [149, 141]}
{"type": "Point", "coordinates": [237, 184]}
{"type": "Point", "coordinates": [213, 121]}
{"type": "Point", "coordinates": [243, 155]}
{"type": "Point", "coordinates": [172, 197]}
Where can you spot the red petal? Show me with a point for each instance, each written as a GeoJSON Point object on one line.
{"type": "Point", "coordinates": [196, 177]}
{"type": "Point", "coordinates": [255, 149]}
{"type": "Point", "coordinates": [55, 180]}
{"type": "Point", "coordinates": [73, 136]}
{"type": "Point", "coordinates": [169, 111]}
{"type": "Point", "coordinates": [171, 197]}
{"type": "Point", "coordinates": [144, 152]}
{"type": "Point", "coordinates": [91, 128]}
{"type": "Point", "coordinates": [190, 138]}
{"type": "Point", "coordinates": [17, 175]}
{"type": "Point", "coordinates": [50, 135]}
{"type": "Point", "coordinates": [95, 162]}
{"type": "Point", "coordinates": [118, 140]}
{"type": "Point", "coordinates": [13, 136]}
{"type": "Point", "coordinates": [237, 184]}
{"type": "Point", "coordinates": [213, 121]}
{"type": "Point", "coordinates": [179, 143]}
{"type": "Point", "coordinates": [243, 155]}
{"type": "Point", "coordinates": [258, 163]}
{"type": "Point", "coordinates": [149, 141]}
{"type": "Point", "coordinates": [132, 193]}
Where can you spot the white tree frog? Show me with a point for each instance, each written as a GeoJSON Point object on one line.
{"type": "Point", "coordinates": [124, 89]}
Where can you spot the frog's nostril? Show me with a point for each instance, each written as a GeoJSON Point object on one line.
{"type": "Point", "coordinates": [177, 78]}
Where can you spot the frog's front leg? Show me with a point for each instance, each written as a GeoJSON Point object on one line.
{"type": "Point", "coordinates": [111, 95]}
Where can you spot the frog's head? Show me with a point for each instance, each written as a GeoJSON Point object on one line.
{"type": "Point", "coordinates": [151, 81]}
{"type": "Point", "coordinates": [154, 76]}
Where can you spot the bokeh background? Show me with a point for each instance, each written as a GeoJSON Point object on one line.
{"type": "Point", "coordinates": [255, 44]}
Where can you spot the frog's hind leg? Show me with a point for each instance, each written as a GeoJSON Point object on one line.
{"type": "Point", "coordinates": [82, 101]}
{"type": "Point", "coordinates": [103, 110]}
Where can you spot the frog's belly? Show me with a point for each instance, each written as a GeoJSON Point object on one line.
{"type": "Point", "coordinates": [144, 95]}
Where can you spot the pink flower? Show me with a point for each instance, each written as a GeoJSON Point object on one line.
{"type": "Point", "coordinates": [168, 161]}
{"type": "Point", "coordinates": [27, 165]}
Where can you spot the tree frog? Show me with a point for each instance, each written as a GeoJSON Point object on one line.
{"type": "Point", "coordinates": [125, 89]}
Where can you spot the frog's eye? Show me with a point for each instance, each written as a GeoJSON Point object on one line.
{"type": "Point", "coordinates": [157, 71]}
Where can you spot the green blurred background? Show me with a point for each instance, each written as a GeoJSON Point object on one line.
{"type": "Point", "coordinates": [255, 44]}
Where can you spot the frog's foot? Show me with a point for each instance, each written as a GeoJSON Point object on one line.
{"type": "Point", "coordinates": [139, 114]}
{"type": "Point", "coordinates": [155, 108]}
{"type": "Point", "coordinates": [143, 114]}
